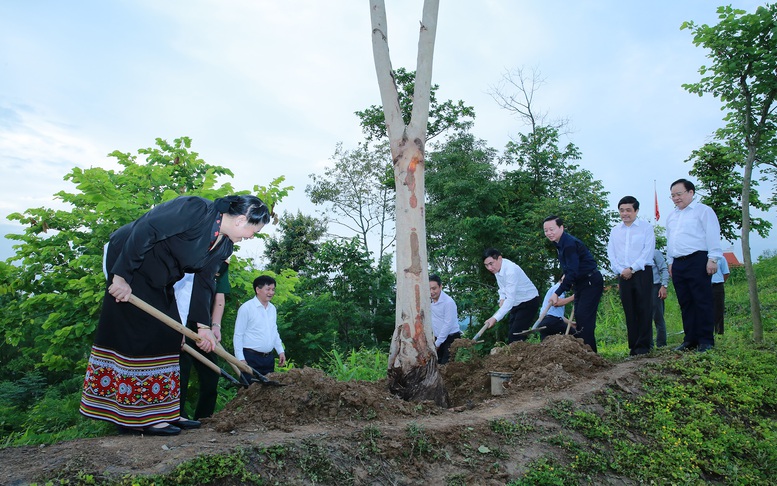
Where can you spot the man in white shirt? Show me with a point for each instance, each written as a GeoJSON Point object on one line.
{"type": "Point", "coordinates": [256, 329]}
{"type": "Point", "coordinates": [630, 250]}
{"type": "Point", "coordinates": [693, 249]}
{"type": "Point", "coordinates": [517, 295]}
{"type": "Point", "coordinates": [445, 319]}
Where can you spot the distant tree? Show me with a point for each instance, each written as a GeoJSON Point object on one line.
{"type": "Point", "coordinates": [347, 296]}
{"type": "Point", "coordinates": [56, 277]}
{"type": "Point", "coordinates": [357, 191]}
{"type": "Point", "coordinates": [545, 180]}
{"type": "Point", "coordinates": [465, 201]}
{"type": "Point", "coordinates": [296, 244]}
{"type": "Point", "coordinates": [743, 51]}
{"type": "Point", "coordinates": [446, 116]}
{"type": "Point", "coordinates": [720, 187]}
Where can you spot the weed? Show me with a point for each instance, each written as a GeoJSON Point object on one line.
{"type": "Point", "coordinates": [419, 441]}
{"type": "Point", "coordinates": [546, 472]}
{"type": "Point", "coordinates": [510, 430]}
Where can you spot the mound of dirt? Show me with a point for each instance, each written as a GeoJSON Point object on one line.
{"type": "Point", "coordinates": [311, 396]}
{"type": "Point", "coordinates": [555, 363]}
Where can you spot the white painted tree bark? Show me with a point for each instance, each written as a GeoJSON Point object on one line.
{"type": "Point", "coordinates": [412, 367]}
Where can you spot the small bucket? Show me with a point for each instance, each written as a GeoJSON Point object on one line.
{"type": "Point", "coordinates": [499, 382]}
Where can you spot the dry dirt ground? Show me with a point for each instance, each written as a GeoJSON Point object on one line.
{"type": "Point", "coordinates": [316, 430]}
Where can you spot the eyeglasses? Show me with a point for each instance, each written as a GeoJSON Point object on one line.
{"type": "Point", "coordinates": [676, 194]}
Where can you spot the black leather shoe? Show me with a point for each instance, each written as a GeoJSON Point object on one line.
{"type": "Point", "coordinates": [704, 347]}
{"type": "Point", "coordinates": [685, 346]}
{"type": "Point", "coordinates": [187, 424]}
{"type": "Point", "coordinates": [168, 430]}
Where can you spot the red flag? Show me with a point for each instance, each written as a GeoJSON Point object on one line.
{"type": "Point", "coordinates": [658, 214]}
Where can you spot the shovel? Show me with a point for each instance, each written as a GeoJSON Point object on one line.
{"type": "Point", "coordinates": [169, 321]}
{"type": "Point", "coordinates": [210, 364]}
{"type": "Point", "coordinates": [480, 332]}
{"type": "Point", "coordinates": [534, 328]}
{"type": "Point", "coordinates": [243, 381]}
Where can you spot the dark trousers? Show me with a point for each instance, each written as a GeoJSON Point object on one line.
{"type": "Point", "coordinates": [206, 402]}
{"type": "Point", "coordinates": [264, 363]}
{"type": "Point", "coordinates": [553, 325]}
{"type": "Point", "coordinates": [521, 318]}
{"type": "Point", "coordinates": [637, 304]}
{"type": "Point", "coordinates": [588, 293]}
{"type": "Point", "coordinates": [658, 317]}
{"type": "Point", "coordinates": [444, 353]}
{"type": "Point", "coordinates": [718, 305]}
{"type": "Point", "coordinates": [694, 294]}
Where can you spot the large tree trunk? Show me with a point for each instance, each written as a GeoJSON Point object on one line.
{"type": "Point", "coordinates": [412, 366]}
{"type": "Point", "coordinates": [752, 284]}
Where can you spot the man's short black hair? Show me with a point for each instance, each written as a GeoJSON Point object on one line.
{"type": "Point", "coordinates": [263, 280]}
{"type": "Point", "coordinates": [435, 278]}
{"type": "Point", "coordinates": [491, 253]}
{"type": "Point", "coordinates": [629, 200]}
{"type": "Point", "coordinates": [686, 183]}
{"type": "Point", "coordinates": [559, 221]}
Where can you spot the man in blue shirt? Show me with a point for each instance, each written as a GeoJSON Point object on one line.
{"type": "Point", "coordinates": [660, 283]}
{"type": "Point", "coordinates": [580, 271]}
{"type": "Point", "coordinates": [719, 294]}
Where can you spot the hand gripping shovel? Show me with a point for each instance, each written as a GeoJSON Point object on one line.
{"type": "Point", "coordinates": [169, 321]}
{"type": "Point", "coordinates": [213, 366]}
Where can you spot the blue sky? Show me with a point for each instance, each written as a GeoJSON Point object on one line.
{"type": "Point", "coordinates": [268, 88]}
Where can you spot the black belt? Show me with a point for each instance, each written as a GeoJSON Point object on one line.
{"type": "Point", "coordinates": [263, 355]}
{"type": "Point", "coordinates": [715, 284]}
{"type": "Point", "coordinates": [685, 257]}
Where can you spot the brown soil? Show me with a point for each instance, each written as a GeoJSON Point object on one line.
{"type": "Point", "coordinates": [318, 430]}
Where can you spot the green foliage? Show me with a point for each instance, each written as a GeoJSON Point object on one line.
{"type": "Point", "coordinates": [701, 416]}
{"type": "Point", "coordinates": [211, 469]}
{"type": "Point", "coordinates": [720, 185]}
{"type": "Point", "coordinates": [546, 472]}
{"type": "Point", "coordinates": [296, 243]}
{"type": "Point", "coordinates": [420, 443]}
{"type": "Point", "coordinates": [56, 287]}
{"type": "Point", "coordinates": [448, 115]}
{"type": "Point", "coordinates": [363, 365]}
{"type": "Point", "coordinates": [510, 429]}
{"type": "Point", "coordinates": [350, 300]}
{"type": "Point", "coordinates": [505, 211]}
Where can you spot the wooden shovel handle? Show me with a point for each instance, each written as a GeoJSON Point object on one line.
{"type": "Point", "coordinates": [480, 332]}
{"type": "Point", "coordinates": [169, 321]}
{"type": "Point", "coordinates": [542, 316]}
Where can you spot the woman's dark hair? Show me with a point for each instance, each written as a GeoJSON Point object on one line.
{"type": "Point", "coordinates": [253, 208]}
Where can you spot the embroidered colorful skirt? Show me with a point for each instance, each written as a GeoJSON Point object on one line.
{"type": "Point", "coordinates": [131, 392]}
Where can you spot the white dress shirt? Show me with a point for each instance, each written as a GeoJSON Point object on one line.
{"type": "Point", "coordinates": [695, 228]}
{"type": "Point", "coordinates": [631, 246]}
{"type": "Point", "coordinates": [445, 318]}
{"type": "Point", "coordinates": [514, 287]}
{"type": "Point", "coordinates": [256, 328]}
